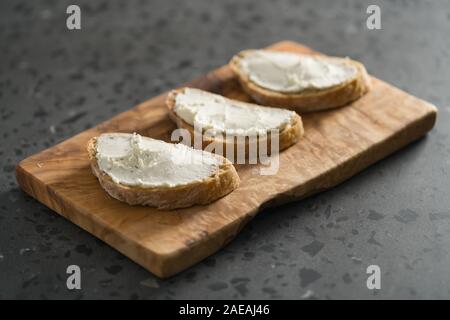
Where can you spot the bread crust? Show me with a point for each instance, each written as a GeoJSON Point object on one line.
{"type": "Point", "coordinates": [224, 181]}
{"type": "Point", "coordinates": [309, 100]}
{"type": "Point", "coordinates": [287, 137]}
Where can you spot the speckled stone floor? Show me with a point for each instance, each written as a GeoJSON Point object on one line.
{"type": "Point", "coordinates": [55, 83]}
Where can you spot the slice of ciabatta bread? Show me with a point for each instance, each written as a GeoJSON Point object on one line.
{"type": "Point", "coordinates": [300, 82]}
{"type": "Point", "coordinates": [145, 171]}
{"type": "Point", "coordinates": [193, 108]}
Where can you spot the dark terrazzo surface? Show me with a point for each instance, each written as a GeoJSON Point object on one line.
{"type": "Point", "coordinates": [55, 83]}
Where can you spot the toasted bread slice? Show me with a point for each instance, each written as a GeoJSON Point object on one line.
{"type": "Point", "coordinates": [287, 136]}
{"type": "Point", "coordinates": [222, 181]}
{"type": "Point", "coordinates": [308, 100]}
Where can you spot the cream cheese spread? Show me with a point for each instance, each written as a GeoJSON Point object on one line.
{"type": "Point", "coordinates": [291, 73]}
{"type": "Point", "coordinates": [218, 114]}
{"type": "Point", "coordinates": [133, 160]}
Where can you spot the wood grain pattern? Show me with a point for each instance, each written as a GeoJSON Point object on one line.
{"type": "Point", "coordinates": [337, 144]}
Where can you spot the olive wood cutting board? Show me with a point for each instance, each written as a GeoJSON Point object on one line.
{"type": "Point", "coordinates": [337, 145]}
